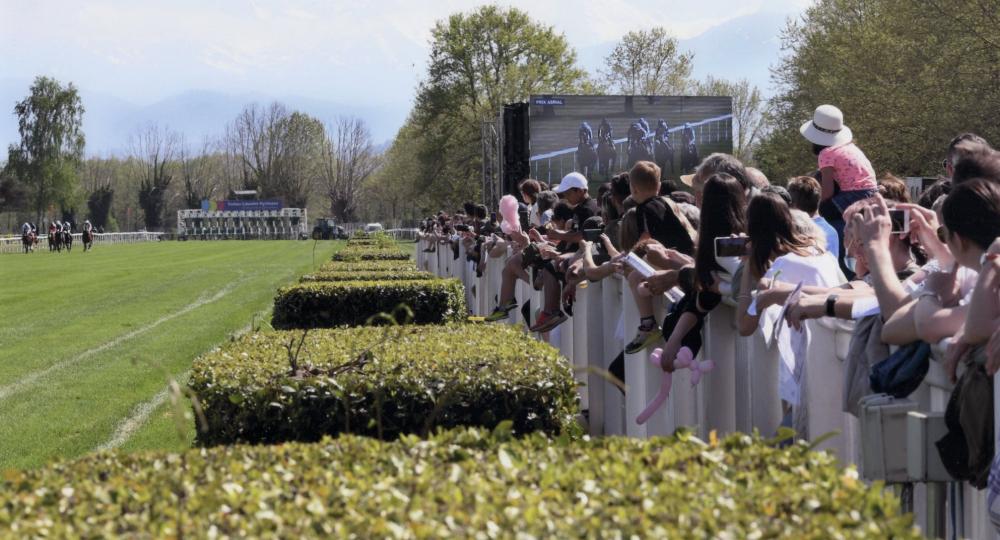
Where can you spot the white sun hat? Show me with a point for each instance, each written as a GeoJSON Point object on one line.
{"type": "Point", "coordinates": [827, 127]}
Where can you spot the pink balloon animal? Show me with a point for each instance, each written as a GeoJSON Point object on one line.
{"type": "Point", "coordinates": [685, 359]}
{"type": "Point", "coordinates": [508, 209]}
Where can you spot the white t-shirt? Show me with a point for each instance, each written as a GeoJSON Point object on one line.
{"type": "Point", "coordinates": [819, 270]}
{"type": "Point", "coordinates": [533, 218]}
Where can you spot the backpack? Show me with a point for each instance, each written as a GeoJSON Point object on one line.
{"type": "Point", "coordinates": [967, 449]}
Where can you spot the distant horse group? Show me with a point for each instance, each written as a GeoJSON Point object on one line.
{"type": "Point", "coordinates": [60, 240]}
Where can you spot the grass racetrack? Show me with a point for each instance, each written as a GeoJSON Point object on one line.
{"type": "Point", "coordinates": [89, 342]}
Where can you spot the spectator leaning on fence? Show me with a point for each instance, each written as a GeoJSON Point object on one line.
{"type": "Point", "coordinates": [659, 225]}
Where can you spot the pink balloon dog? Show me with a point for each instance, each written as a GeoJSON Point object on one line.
{"type": "Point", "coordinates": [685, 359]}
{"type": "Point", "coordinates": [508, 209]}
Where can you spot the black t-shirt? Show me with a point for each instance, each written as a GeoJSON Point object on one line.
{"type": "Point", "coordinates": [657, 218]}
{"type": "Point", "coordinates": [586, 209]}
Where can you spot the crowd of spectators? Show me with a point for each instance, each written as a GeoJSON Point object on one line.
{"type": "Point", "coordinates": [837, 242]}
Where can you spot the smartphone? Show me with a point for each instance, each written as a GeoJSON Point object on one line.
{"type": "Point", "coordinates": [592, 235]}
{"type": "Point", "coordinates": [493, 217]}
{"type": "Point", "coordinates": [726, 246]}
{"type": "Point", "coordinates": [900, 220]}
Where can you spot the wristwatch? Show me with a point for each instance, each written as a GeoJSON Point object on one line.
{"type": "Point", "coordinates": [831, 302]}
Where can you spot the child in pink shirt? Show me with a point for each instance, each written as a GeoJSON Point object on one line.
{"type": "Point", "coordinates": [841, 162]}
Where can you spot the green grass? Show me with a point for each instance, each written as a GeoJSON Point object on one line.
{"type": "Point", "coordinates": [89, 341]}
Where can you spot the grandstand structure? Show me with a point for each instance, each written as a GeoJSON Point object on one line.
{"type": "Point", "coordinates": [209, 224]}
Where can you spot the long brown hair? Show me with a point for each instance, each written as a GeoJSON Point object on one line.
{"type": "Point", "coordinates": [723, 212]}
{"type": "Point", "coordinates": [772, 232]}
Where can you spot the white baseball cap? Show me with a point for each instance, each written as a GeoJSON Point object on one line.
{"type": "Point", "coordinates": [570, 181]}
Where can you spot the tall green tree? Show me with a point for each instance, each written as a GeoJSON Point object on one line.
{"type": "Point", "coordinates": [908, 75]}
{"type": "Point", "coordinates": [50, 124]}
{"type": "Point", "coordinates": [153, 151]}
{"type": "Point", "coordinates": [648, 62]}
{"type": "Point", "coordinates": [480, 60]}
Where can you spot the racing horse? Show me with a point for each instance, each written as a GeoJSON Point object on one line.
{"type": "Point", "coordinates": [638, 146]}
{"type": "Point", "coordinates": [689, 153]}
{"type": "Point", "coordinates": [55, 239]}
{"type": "Point", "coordinates": [29, 241]}
{"type": "Point", "coordinates": [586, 158]}
{"type": "Point", "coordinates": [607, 156]}
{"type": "Point", "coordinates": [88, 239]}
{"type": "Point", "coordinates": [663, 149]}
{"type": "Point", "coordinates": [67, 240]}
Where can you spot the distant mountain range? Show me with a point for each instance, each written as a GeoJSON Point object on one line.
{"type": "Point", "coordinates": [744, 47]}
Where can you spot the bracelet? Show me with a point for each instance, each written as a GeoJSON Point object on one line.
{"type": "Point", "coordinates": [742, 296]}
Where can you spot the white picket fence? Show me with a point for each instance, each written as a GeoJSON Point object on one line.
{"type": "Point", "coordinates": [12, 244]}
{"type": "Point", "coordinates": [739, 395]}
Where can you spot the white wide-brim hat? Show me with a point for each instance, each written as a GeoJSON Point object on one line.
{"type": "Point", "coordinates": [827, 127]}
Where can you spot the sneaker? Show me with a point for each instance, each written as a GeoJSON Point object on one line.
{"type": "Point", "coordinates": [643, 340]}
{"type": "Point", "coordinates": [546, 322]}
{"type": "Point", "coordinates": [500, 313]}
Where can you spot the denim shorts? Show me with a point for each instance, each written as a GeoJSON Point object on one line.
{"type": "Point", "coordinates": [845, 199]}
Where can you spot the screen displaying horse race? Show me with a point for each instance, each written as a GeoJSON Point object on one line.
{"type": "Point", "coordinates": [602, 135]}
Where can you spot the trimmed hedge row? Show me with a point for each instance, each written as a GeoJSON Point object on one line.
{"type": "Point", "coordinates": [463, 483]}
{"type": "Point", "coordinates": [363, 267]}
{"type": "Point", "coordinates": [381, 382]}
{"type": "Point", "coordinates": [375, 275]}
{"type": "Point", "coordinates": [367, 253]}
{"type": "Point", "coordinates": [353, 303]}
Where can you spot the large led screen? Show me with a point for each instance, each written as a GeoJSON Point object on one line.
{"type": "Point", "coordinates": [600, 136]}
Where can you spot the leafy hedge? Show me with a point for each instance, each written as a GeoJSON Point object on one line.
{"type": "Point", "coordinates": [364, 267]}
{"type": "Point", "coordinates": [353, 303]}
{"type": "Point", "coordinates": [374, 275]}
{"type": "Point", "coordinates": [381, 382]}
{"type": "Point", "coordinates": [463, 484]}
{"type": "Point", "coordinates": [370, 253]}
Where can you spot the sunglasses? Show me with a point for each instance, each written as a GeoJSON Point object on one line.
{"type": "Point", "coordinates": [942, 234]}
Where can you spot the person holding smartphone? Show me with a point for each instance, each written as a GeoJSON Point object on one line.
{"type": "Point", "coordinates": [723, 218]}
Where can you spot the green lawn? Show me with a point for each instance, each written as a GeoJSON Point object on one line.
{"type": "Point", "coordinates": [90, 341]}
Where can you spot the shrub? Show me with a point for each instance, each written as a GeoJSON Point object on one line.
{"type": "Point", "coordinates": [463, 484]}
{"type": "Point", "coordinates": [370, 253]}
{"type": "Point", "coordinates": [352, 303]}
{"type": "Point", "coordinates": [374, 275]}
{"type": "Point", "coordinates": [381, 382]}
{"type": "Point", "coordinates": [363, 267]}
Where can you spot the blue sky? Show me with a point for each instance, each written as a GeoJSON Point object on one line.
{"type": "Point", "coordinates": [373, 51]}
{"type": "Point", "coordinates": [364, 55]}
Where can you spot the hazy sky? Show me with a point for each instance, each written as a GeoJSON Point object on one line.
{"type": "Point", "coordinates": [365, 52]}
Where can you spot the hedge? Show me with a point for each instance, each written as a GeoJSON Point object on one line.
{"type": "Point", "coordinates": [368, 266]}
{"type": "Point", "coordinates": [353, 303]}
{"type": "Point", "coordinates": [463, 484]}
{"type": "Point", "coordinates": [374, 275]}
{"type": "Point", "coordinates": [367, 253]}
{"type": "Point", "coordinates": [381, 382]}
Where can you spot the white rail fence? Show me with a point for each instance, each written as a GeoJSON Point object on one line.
{"type": "Point", "coordinates": [12, 244]}
{"type": "Point", "coordinates": [739, 395]}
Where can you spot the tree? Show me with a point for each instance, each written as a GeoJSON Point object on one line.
{"type": "Point", "coordinates": [647, 62]}
{"type": "Point", "coordinates": [50, 124]}
{"type": "Point", "coordinates": [200, 173]}
{"type": "Point", "coordinates": [152, 149]}
{"type": "Point", "coordinates": [99, 206]}
{"type": "Point", "coordinates": [750, 113]}
{"type": "Point", "coordinates": [275, 152]}
{"type": "Point", "coordinates": [349, 159]}
{"type": "Point", "coordinates": [908, 75]}
{"type": "Point", "coordinates": [479, 61]}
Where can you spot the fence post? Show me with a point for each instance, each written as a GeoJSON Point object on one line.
{"type": "Point", "coordinates": [614, 399]}
{"type": "Point", "coordinates": [717, 391]}
{"type": "Point", "coordinates": [595, 347]}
